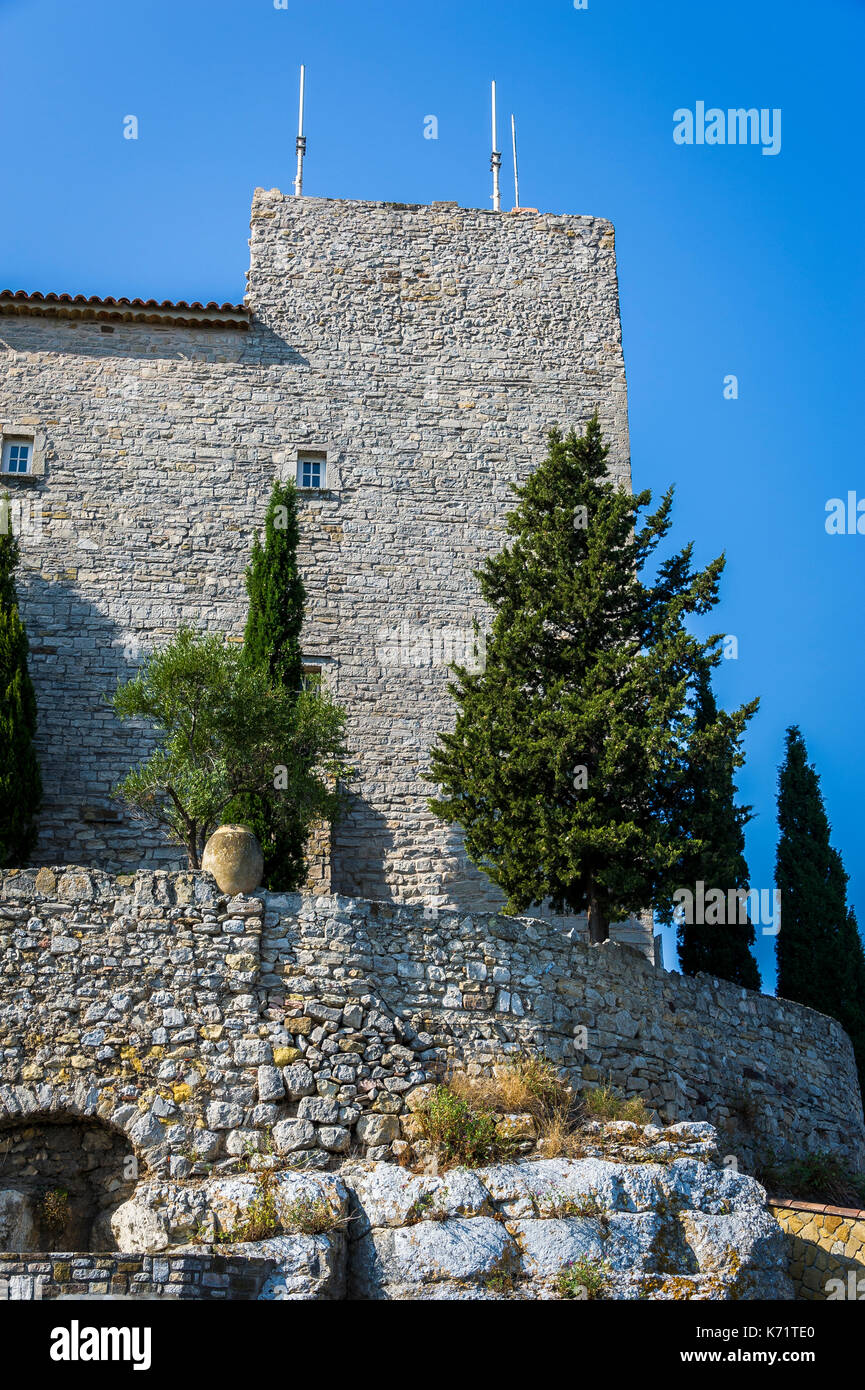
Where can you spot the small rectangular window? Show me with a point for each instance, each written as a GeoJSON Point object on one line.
{"type": "Point", "coordinates": [311, 678]}
{"type": "Point", "coordinates": [16, 455]}
{"type": "Point", "coordinates": [311, 472]}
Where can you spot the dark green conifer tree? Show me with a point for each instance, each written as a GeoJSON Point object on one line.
{"type": "Point", "coordinates": [272, 640]}
{"type": "Point", "coordinates": [819, 951]}
{"type": "Point", "coordinates": [20, 781]}
{"type": "Point", "coordinates": [276, 592]}
{"type": "Point", "coordinates": [717, 825]}
{"type": "Point", "coordinates": [569, 758]}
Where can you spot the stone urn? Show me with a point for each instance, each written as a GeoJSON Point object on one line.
{"type": "Point", "coordinates": [234, 857]}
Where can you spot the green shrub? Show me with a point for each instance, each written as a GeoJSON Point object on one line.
{"type": "Point", "coordinates": [821, 1177]}
{"type": "Point", "coordinates": [459, 1132]}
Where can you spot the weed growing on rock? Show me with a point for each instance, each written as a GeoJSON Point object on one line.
{"type": "Point", "coordinates": [267, 1216]}
{"type": "Point", "coordinates": [583, 1278]}
{"type": "Point", "coordinates": [527, 1084]}
{"type": "Point", "coordinates": [262, 1217]}
{"type": "Point", "coordinates": [459, 1132]}
{"type": "Point", "coordinates": [503, 1276]}
{"type": "Point", "coordinates": [608, 1103]}
{"type": "Point", "coordinates": [311, 1216]}
{"type": "Point", "coordinates": [425, 1209]}
{"type": "Point", "coordinates": [555, 1205]}
{"type": "Point", "coordinates": [53, 1209]}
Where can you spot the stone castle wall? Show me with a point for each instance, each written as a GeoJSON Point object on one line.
{"type": "Point", "coordinates": [204, 1028]}
{"type": "Point", "coordinates": [425, 351]}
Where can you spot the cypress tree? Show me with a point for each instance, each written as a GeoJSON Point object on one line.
{"type": "Point", "coordinates": [819, 951]}
{"type": "Point", "coordinates": [276, 592]}
{"type": "Point", "coordinates": [717, 826]}
{"type": "Point", "coordinates": [568, 761]}
{"type": "Point", "coordinates": [272, 640]}
{"type": "Point", "coordinates": [20, 781]}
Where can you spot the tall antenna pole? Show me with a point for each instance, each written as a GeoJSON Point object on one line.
{"type": "Point", "coordinates": [516, 175]}
{"type": "Point", "coordinates": [496, 161]}
{"type": "Point", "coordinates": [301, 142]}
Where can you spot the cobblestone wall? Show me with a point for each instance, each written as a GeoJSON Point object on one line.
{"type": "Point", "coordinates": [425, 351]}
{"type": "Point", "coordinates": [204, 1028]}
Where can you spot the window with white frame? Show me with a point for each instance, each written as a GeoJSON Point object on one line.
{"type": "Point", "coordinates": [311, 471]}
{"type": "Point", "coordinates": [17, 455]}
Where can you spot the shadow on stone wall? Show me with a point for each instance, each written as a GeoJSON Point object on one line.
{"type": "Point", "coordinates": [360, 843]}
{"type": "Point", "coordinates": [259, 346]}
{"type": "Point", "coordinates": [60, 1178]}
{"type": "Point", "coordinates": [83, 748]}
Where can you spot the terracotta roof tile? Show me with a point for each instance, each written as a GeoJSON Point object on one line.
{"type": "Point", "coordinates": [124, 309]}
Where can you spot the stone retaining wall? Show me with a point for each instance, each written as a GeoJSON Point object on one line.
{"type": "Point", "coordinates": [199, 1277]}
{"type": "Point", "coordinates": [827, 1248]}
{"type": "Point", "coordinates": [205, 1028]}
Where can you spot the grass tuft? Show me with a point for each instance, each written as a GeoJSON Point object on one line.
{"type": "Point", "coordinates": [607, 1103]}
{"type": "Point", "coordinates": [583, 1278]}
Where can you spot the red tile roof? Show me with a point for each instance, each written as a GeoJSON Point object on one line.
{"type": "Point", "coordinates": [124, 310]}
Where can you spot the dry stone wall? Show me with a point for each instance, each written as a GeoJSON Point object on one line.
{"type": "Point", "coordinates": [425, 351]}
{"type": "Point", "coordinates": [206, 1029]}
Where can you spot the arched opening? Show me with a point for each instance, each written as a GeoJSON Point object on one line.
{"type": "Point", "coordinates": [60, 1179]}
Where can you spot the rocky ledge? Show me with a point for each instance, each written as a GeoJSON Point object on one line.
{"type": "Point", "coordinates": [673, 1224]}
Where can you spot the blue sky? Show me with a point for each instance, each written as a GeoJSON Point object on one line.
{"type": "Point", "coordinates": [730, 261]}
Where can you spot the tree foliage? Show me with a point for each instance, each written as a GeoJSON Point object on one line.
{"type": "Point", "coordinates": [568, 762]}
{"type": "Point", "coordinates": [224, 731]}
{"type": "Point", "coordinates": [20, 780]}
{"type": "Point", "coordinates": [272, 642]}
{"type": "Point", "coordinates": [716, 827]}
{"type": "Point", "coordinates": [819, 951]}
{"type": "Point", "coordinates": [276, 593]}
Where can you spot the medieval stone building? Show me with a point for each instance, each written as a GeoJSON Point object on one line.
{"type": "Point", "coordinates": [403, 364]}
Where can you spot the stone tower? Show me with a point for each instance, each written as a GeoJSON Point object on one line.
{"type": "Point", "coordinates": [404, 362]}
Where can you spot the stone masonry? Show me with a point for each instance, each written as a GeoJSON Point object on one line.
{"type": "Point", "coordinates": [204, 1029]}
{"type": "Point", "coordinates": [421, 353]}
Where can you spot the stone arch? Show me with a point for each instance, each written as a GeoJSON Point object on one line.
{"type": "Point", "coordinates": [64, 1168]}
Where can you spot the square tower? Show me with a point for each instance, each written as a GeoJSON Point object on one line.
{"type": "Point", "coordinates": [403, 363]}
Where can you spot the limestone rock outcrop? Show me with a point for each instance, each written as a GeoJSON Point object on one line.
{"type": "Point", "coordinates": [675, 1227]}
